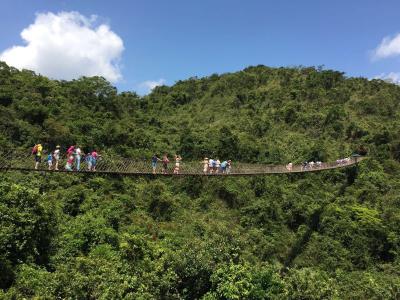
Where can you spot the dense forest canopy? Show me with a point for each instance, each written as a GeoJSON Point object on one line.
{"type": "Point", "coordinates": [330, 235]}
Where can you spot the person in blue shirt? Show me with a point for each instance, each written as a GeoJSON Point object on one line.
{"type": "Point", "coordinates": [214, 166]}
{"type": "Point", "coordinates": [50, 161]}
{"type": "Point", "coordinates": [88, 159]}
{"type": "Point", "coordinates": [154, 161]}
{"type": "Point", "coordinates": [223, 167]}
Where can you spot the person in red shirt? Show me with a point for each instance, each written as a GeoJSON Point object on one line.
{"type": "Point", "coordinates": [94, 156]}
{"type": "Point", "coordinates": [165, 162]}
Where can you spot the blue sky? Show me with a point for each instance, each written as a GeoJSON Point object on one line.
{"type": "Point", "coordinates": [166, 41]}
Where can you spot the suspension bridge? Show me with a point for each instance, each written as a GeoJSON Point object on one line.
{"type": "Point", "coordinates": [20, 161]}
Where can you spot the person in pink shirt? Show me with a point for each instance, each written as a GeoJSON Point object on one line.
{"type": "Point", "coordinates": [94, 156]}
{"type": "Point", "coordinates": [70, 162]}
{"type": "Point", "coordinates": [70, 151]}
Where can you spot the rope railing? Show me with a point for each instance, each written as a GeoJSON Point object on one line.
{"type": "Point", "coordinates": [24, 161]}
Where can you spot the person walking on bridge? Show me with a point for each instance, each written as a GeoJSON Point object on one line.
{"type": "Point", "coordinates": [154, 161]}
{"type": "Point", "coordinates": [56, 155]}
{"type": "Point", "coordinates": [88, 159]}
{"type": "Point", "coordinates": [228, 167]}
{"type": "Point", "coordinates": [78, 155]}
{"type": "Point", "coordinates": [224, 164]}
{"type": "Point", "coordinates": [50, 161]}
{"type": "Point", "coordinates": [178, 159]}
{"type": "Point", "coordinates": [95, 157]}
{"type": "Point", "coordinates": [211, 165]}
{"type": "Point", "coordinates": [165, 162]}
{"type": "Point", "coordinates": [70, 162]}
{"type": "Point", "coordinates": [70, 150]}
{"type": "Point", "coordinates": [37, 151]}
{"type": "Point", "coordinates": [217, 166]}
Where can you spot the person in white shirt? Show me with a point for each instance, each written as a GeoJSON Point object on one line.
{"type": "Point", "coordinates": [228, 167]}
{"type": "Point", "coordinates": [178, 159]}
{"type": "Point", "coordinates": [78, 155]}
{"type": "Point", "coordinates": [217, 165]}
{"type": "Point", "coordinates": [211, 165]}
{"type": "Point", "coordinates": [56, 155]}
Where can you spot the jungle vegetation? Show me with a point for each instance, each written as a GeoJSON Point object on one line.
{"type": "Point", "coordinates": [325, 235]}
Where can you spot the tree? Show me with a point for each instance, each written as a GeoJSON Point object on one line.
{"type": "Point", "coordinates": [26, 229]}
{"type": "Point", "coordinates": [228, 146]}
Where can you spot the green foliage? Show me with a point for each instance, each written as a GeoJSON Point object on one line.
{"type": "Point", "coordinates": [237, 281]}
{"type": "Point", "coordinates": [232, 282]}
{"type": "Point", "coordinates": [326, 235]}
{"type": "Point", "coordinates": [308, 283]}
{"type": "Point", "coordinates": [26, 224]}
{"type": "Point", "coordinates": [84, 232]}
{"type": "Point", "coordinates": [228, 144]}
{"type": "Point", "coordinates": [359, 230]}
{"type": "Point", "coordinates": [160, 203]}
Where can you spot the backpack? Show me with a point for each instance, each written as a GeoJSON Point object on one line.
{"type": "Point", "coordinates": [35, 149]}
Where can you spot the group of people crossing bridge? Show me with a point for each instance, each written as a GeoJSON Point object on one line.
{"type": "Point", "coordinates": [74, 159]}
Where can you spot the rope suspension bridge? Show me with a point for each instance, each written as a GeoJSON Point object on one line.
{"type": "Point", "coordinates": [22, 161]}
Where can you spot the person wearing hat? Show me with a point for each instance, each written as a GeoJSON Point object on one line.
{"type": "Point", "coordinates": [56, 155]}
{"type": "Point", "coordinates": [205, 166]}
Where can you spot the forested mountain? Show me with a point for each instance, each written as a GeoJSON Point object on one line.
{"type": "Point", "coordinates": [328, 235]}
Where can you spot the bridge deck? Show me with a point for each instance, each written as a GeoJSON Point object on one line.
{"type": "Point", "coordinates": [126, 167]}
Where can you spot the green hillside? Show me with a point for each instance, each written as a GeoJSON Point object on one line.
{"type": "Point", "coordinates": [328, 235]}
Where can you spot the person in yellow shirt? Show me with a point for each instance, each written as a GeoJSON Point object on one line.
{"type": "Point", "coordinates": [37, 151]}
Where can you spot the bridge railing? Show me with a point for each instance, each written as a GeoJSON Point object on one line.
{"type": "Point", "coordinates": [24, 160]}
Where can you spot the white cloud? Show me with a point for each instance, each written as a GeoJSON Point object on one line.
{"type": "Point", "coordinates": [390, 77]}
{"type": "Point", "coordinates": [67, 45]}
{"type": "Point", "coordinates": [146, 86]}
{"type": "Point", "coordinates": [390, 46]}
